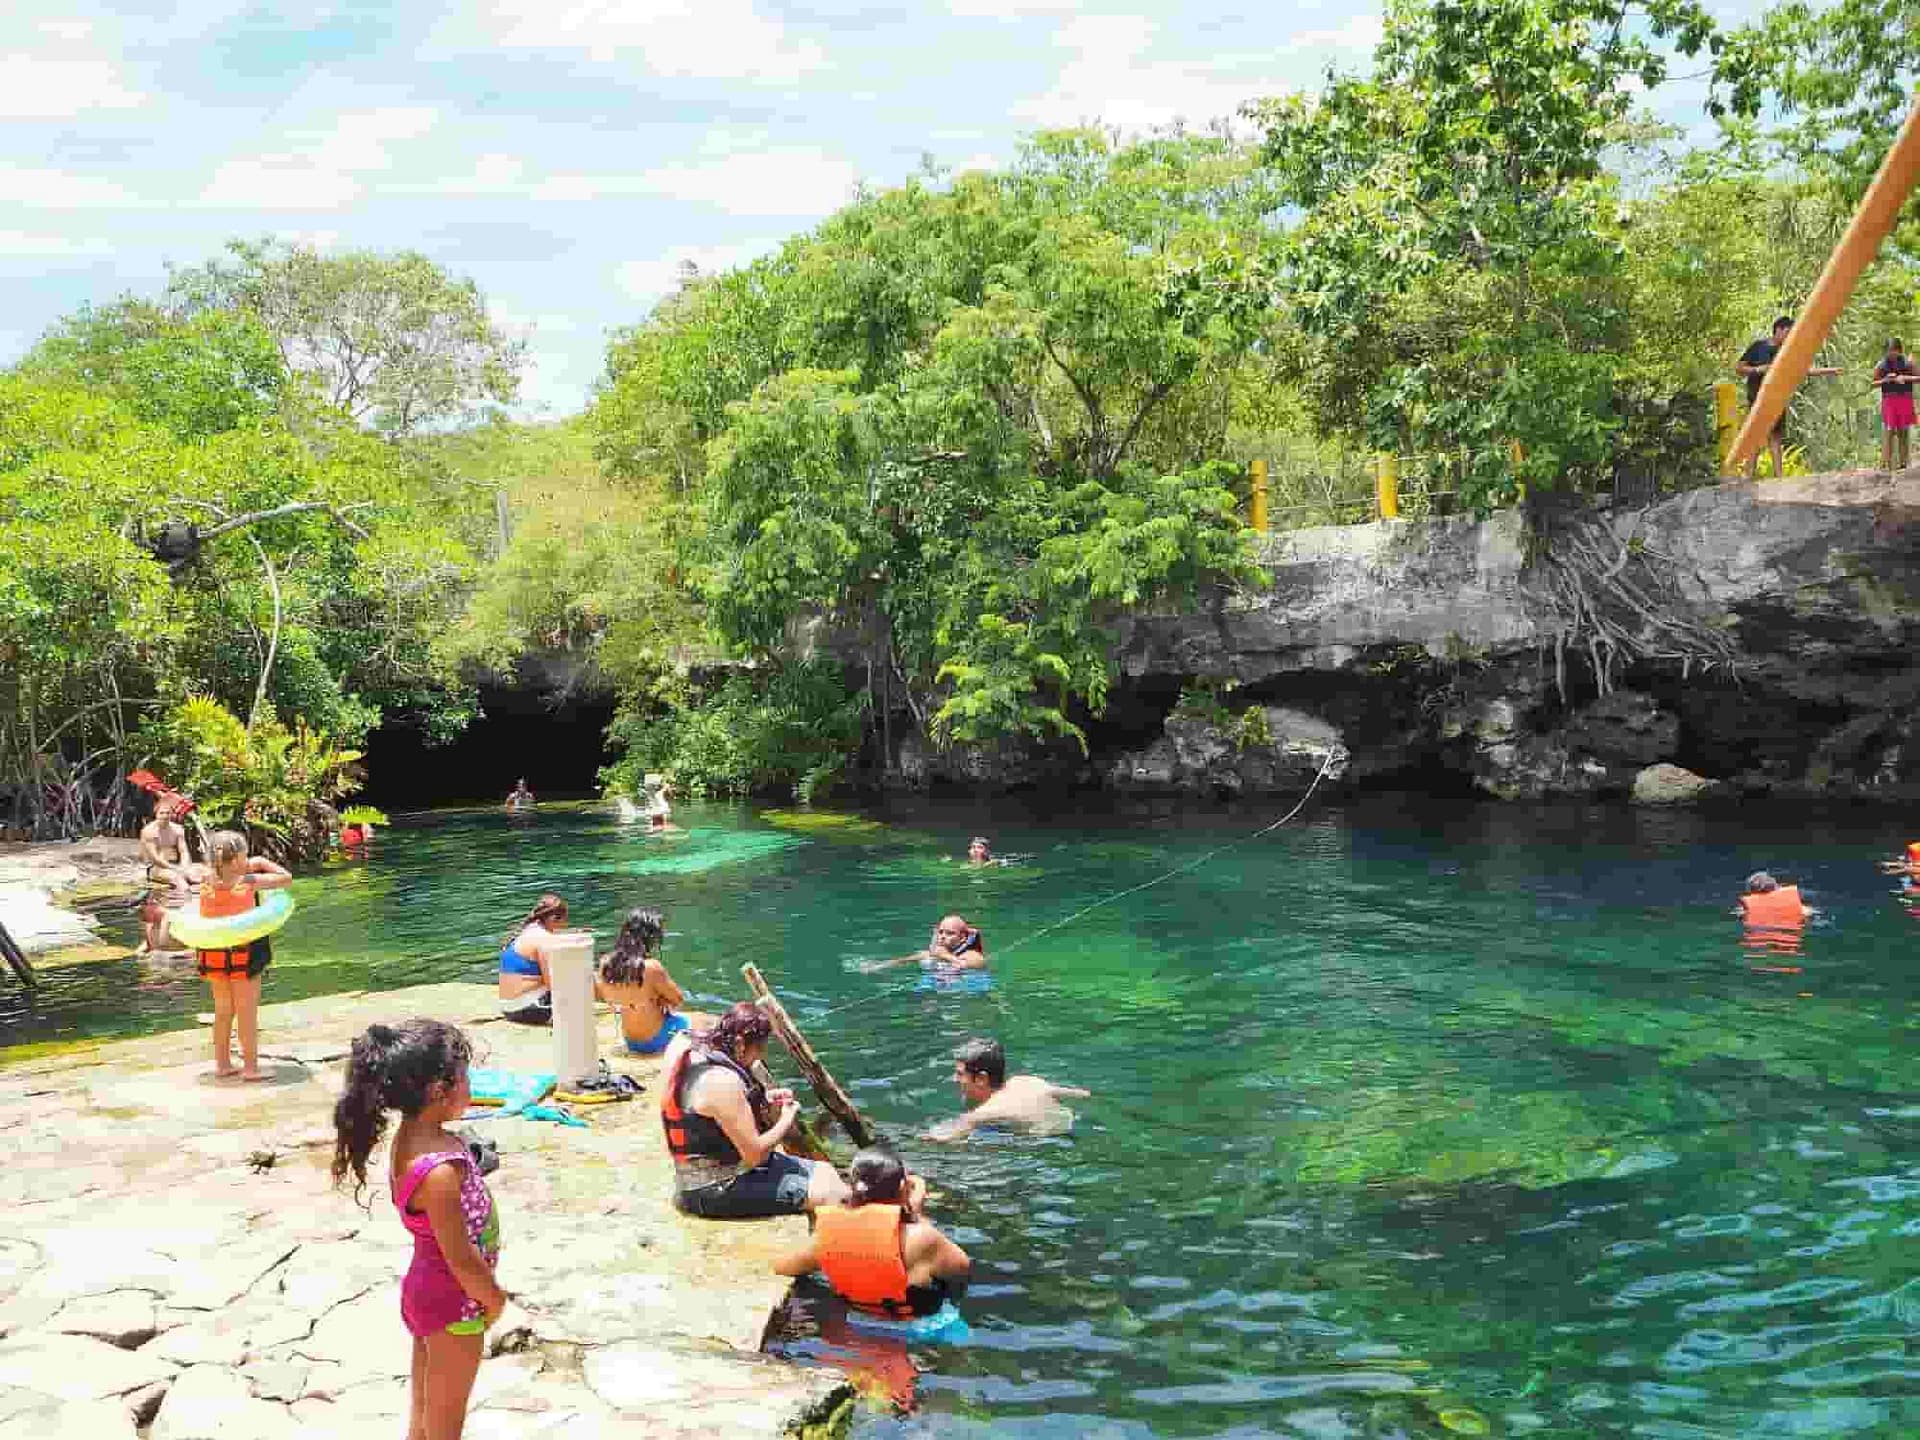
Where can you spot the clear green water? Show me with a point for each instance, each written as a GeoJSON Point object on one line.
{"type": "Point", "coordinates": [1410, 1120]}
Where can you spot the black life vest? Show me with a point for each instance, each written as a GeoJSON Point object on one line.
{"type": "Point", "coordinates": [691, 1135]}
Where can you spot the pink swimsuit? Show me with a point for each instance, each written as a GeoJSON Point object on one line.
{"type": "Point", "coordinates": [431, 1298]}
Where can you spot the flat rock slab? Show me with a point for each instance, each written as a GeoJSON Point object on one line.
{"type": "Point", "coordinates": [196, 1222]}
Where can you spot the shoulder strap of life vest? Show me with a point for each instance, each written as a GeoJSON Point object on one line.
{"type": "Point", "coordinates": [673, 1118]}
{"type": "Point", "coordinates": [859, 1251]}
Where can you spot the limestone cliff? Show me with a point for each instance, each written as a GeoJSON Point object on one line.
{"type": "Point", "coordinates": [1763, 636]}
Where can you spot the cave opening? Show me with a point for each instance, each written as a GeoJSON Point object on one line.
{"type": "Point", "coordinates": [556, 741]}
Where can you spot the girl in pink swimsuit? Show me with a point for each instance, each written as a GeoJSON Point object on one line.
{"type": "Point", "coordinates": [448, 1296]}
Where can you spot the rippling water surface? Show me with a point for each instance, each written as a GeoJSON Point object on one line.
{"type": "Point", "coordinates": [1408, 1121]}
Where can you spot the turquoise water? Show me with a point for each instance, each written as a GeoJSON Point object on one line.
{"type": "Point", "coordinates": [1409, 1120]}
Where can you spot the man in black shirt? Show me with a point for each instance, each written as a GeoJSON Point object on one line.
{"type": "Point", "coordinates": [1754, 363]}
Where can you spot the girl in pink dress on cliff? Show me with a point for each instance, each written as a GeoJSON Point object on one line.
{"type": "Point", "coordinates": [448, 1296]}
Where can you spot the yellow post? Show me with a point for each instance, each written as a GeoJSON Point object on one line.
{"type": "Point", "coordinates": [1517, 453]}
{"type": "Point", "coordinates": [1386, 485]}
{"type": "Point", "coordinates": [1257, 500]}
{"type": "Point", "coordinates": [1879, 208]}
{"type": "Point", "coordinates": [1726, 419]}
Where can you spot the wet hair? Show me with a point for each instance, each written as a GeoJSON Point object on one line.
{"type": "Point", "coordinates": [1894, 342]}
{"type": "Point", "coordinates": [877, 1176]}
{"type": "Point", "coordinates": [744, 1024]}
{"type": "Point", "coordinates": [637, 943]}
{"type": "Point", "coordinates": [1760, 882]}
{"type": "Point", "coordinates": [225, 845]}
{"type": "Point", "coordinates": [982, 842]}
{"type": "Point", "coordinates": [392, 1067]}
{"type": "Point", "coordinates": [984, 1057]}
{"type": "Point", "coordinates": [1783, 322]}
{"type": "Point", "coordinates": [548, 907]}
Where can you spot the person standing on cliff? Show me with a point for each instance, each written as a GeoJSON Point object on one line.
{"type": "Point", "coordinates": [1893, 377]}
{"type": "Point", "coordinates": [1753, 365]}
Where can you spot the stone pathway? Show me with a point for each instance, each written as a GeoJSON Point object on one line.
{"type": "Point", "coordinates": [176, 1263]}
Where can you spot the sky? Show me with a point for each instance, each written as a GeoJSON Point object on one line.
{"type": "Point", "coordinates": [567, 155]}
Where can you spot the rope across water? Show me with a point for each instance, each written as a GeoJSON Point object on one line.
{"type": "Point", "coordinates": [1085, 910]}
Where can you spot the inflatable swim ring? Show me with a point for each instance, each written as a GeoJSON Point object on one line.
{"type": "Point", "coordinates": [946, 1326]}
{"type": "Point", "coordinates": [227, 932]}
{"type": "Point", "coordinates": [506, 1092]}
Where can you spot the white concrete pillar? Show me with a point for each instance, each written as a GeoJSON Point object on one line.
{"type": "Point", "coordinates": [576, 1050]}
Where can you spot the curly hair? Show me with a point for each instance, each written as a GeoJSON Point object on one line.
{"type": "Point", "coordinates": [744, 1024]}
{"type": "Point", "coordinates": [392, 1067]}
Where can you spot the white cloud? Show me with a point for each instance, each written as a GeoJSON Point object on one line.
{"type": "Point", "coordinates": [653, 279]}
{"type": "Point", "coordinates": [1361, 33]}
{"type": "Point", "coordinates": [676, 39]}
{"type": "Point", "coordinates": [38, 189]}
{"type": "Point", "coordinates": [793, 182]}
{"type": "Point", "coordinates": [1108, 79]}
{"type": "Point", "coordinates": [18, 244]}
{"type": "Point", "coordinates": [323, 169]}
{"type": "Point", "coordinates": [1011, 9]}
{"type": "Point", "coordinates": [493, 174]}
{"type": "Point", "coordinates": [50, 83]}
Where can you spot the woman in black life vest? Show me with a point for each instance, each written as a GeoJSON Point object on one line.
{"type": "Point", "coordinates": [723, 1126]}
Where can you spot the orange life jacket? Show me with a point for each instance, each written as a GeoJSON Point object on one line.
{"type": "Point", "coordinates": [218, 900]}
{"type": "Point", "coordinates": [859, 1250]}
{"type": "Point", "coordinates": [1780, 906]}
{"type": "Point", "coordinates": [1913, 852]}
{"type": "Point", "coordinates": [691, 1135]}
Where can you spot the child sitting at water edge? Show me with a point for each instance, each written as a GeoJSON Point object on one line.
{"type": "Point", "coordinates": [234, 974]}
{"type": "Point", "coordinates": [637, 985]}
{"type": "Point", "coordinates": [448, 1296]}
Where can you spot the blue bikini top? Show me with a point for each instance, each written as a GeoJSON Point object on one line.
{"type": "Point", "coordinates": [512, 962]}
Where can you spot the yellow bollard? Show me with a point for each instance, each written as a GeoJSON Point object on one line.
{"type": "Point", "coordinates": [1386, 485]}
{"type": "Point", "coordinates": [1257, 499]}
{"type": "Point", "coordinates": [1726, 419]}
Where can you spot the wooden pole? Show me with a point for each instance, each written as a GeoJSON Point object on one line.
{"type": "Point", "coordinates": [1879, 209]}
{"type": "Point", "coordinates": [1257, 496]}
{"type": "Point", "coordinates": [16, 959]}
{"type": "Point", "coordinates": [824, 1085]}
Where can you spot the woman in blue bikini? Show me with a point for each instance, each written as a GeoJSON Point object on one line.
{"type": "Point", "coordinates": [526, 984]}
{"type": "Point", "coordinates": [635, 983]}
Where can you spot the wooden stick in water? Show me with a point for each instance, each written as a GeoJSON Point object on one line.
{"type": "Point", "coordinates": [824, 1085]}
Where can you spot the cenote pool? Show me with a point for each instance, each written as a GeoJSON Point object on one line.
{"type": "Point", "coordinates": [1411, 1119]}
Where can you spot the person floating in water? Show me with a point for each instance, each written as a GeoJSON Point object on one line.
{"type": "Point", "coordinates": [954, 946]}
{"type": "Point", "coordinates": [526, 982]}
{"type": "Point", "coordinates": [995, 1098]}
{"type": "Point", "coordinates": [520, 797]}
{"type": "Point", "coordinates": [636, 984]}
{"type": "Point", "coordinates": [659, 807]}
{"type": "Point", "coordinates": [1907, 867]}
{"type": "Point", "coordinates": [979, 852]}
{"type": "Point", "coordinates": [1773, 915]}
{"type": "Point", "coordinates": [879, 1251]}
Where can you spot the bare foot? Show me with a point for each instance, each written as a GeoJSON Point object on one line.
{"type": "Point", "coordinates": [256, 1075]}
{"type": "Point", "coordinates": [224, 1072]}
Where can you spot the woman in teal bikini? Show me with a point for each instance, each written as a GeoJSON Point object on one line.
{"type": "Point", "coordinates": [635, 983]}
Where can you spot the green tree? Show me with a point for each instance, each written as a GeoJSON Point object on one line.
{"type": "Point", "coordinates": [393, 341]}
{"type": "Point", "coordinates": [1455, 268]}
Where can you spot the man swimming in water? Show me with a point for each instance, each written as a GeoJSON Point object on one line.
{"type": "Point", "coordinates": [520, 797]}
{"type": "Point", "coordinates": [995, 1098]}
{"type": "Point", "coordinates": [954, 946]}
{"type": "Point", "coordinates": [979, 852]}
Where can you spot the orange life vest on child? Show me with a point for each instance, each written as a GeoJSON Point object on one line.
{"type": "Point", "coordinates": [217, 900]}
{"type": "Point", "coordinates": [859, 1250]}
{"type": "Point", "coordinates": [1780, 906]}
